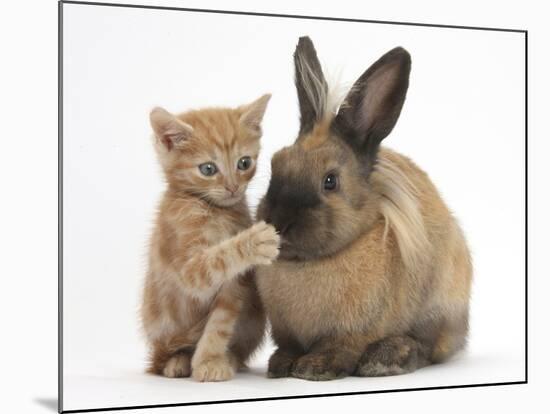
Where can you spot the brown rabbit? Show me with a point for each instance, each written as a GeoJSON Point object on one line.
{"type": "Point", "coordinates": [374, 275]}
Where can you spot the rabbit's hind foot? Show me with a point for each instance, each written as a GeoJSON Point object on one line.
{"type": "Point", "coordinates": [395, 355]}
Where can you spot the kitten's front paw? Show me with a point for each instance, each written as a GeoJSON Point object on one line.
{"type": "Point", "coordinates": [178, 366]}
{"type": "Point", "coordinates": [262, 243]}
{"type": "Point", "coordinates": [217, 368]}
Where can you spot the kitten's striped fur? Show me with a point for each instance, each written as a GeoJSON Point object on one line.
{"type": "Point", "coordinates": [201, 312]}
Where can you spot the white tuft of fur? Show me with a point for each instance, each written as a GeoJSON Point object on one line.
{"type": "Point", "coordinates": [337, 92]}
{"type": "Point", "coordinates": [401, 210]}
{"type": "Point", "coordinates": [325, 96]}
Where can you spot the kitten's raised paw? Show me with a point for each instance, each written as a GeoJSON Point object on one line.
{"type": "Point", "coordinates": [178, 366]}
{"type": "Point", "coordinates": [213, 369]}
{"type": "Point", "coordinates": [263, 243]}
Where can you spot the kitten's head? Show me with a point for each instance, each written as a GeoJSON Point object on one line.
{"type": "Point", "coordinates": [210, 153]}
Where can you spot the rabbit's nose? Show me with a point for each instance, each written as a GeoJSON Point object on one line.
{"type": "Point", "coordinates": [282, 222]}
{"type": "Point", "coordinates": [285, 228]}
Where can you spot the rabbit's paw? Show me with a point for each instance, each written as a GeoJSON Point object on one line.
{"type": "Point", "coordinates": [392, 356]}
{"type": "Point", "coordinates": [178, 366]}
{"type": "Point", "coordinates": [321, 366]}
{"type": "Point", "coordinates": [280, 363]}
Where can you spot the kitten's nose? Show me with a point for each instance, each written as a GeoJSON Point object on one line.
{"type": "Point", "coordinates": [232, 188]}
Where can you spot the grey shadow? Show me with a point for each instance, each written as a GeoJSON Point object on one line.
{"type": "Point", "coordinates": [49, 403]}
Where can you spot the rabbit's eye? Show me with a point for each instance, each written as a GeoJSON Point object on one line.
{"type": "Point", "coordinates": [244, 163]}
{"type": "Point", "coordinates": [208, 169]}
{"type": "Point", "coordinates": [330, 183]}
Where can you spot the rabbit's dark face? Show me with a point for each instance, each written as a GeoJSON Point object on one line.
{"type": "Point", "coordinates": [317, 197]}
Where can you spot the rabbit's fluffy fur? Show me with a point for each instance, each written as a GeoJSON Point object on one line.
{"type": "Point", "coordinates": [374, 274]}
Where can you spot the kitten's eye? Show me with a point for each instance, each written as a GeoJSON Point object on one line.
{"type": "Point", "coordinates": [244, 163]}
{"type": "Point", "coordinates": [330, 182]}
{"type": "Point", "coordinates": [208, 169]}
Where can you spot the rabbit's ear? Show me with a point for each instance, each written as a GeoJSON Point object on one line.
{"type": "Point", "coordinates": [371, 108]}
{"type": "Point", "coordinates": [311, 85]}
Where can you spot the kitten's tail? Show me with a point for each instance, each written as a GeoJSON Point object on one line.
{"type": "Point", "coordinates": [163, 350]}
{"type": "Point", "coordinates": [186, 341]}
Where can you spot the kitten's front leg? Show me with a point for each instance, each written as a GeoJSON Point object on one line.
{"type": "Point", "coordinates": [259, 244]}
{"type": "Point", "coordinates": [205, 272]}
{"type": "Point", "coordinates": [212, 360]}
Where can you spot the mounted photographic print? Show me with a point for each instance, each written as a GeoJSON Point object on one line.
{"type": "Point", "coordinates": [260, 206]}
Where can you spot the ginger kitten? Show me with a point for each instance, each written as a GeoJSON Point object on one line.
{"type": "Point", "coordinates": [201, 312]}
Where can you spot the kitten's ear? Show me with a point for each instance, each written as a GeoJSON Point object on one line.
{"type": "Point", "coordinates": [169, 130]}
{"type": "Point", "coordinates": [253, 113]}
{"type": "Point", "coordinates": [372, 107]}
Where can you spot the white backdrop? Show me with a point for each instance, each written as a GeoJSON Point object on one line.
{"type": "Point", "coordinates": [462, 122]}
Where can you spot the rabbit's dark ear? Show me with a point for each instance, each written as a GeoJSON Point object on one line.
{"type": "Point", "coordinates": [371, 108]}
{"type": "Point", "coordinates": [310, 83]}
